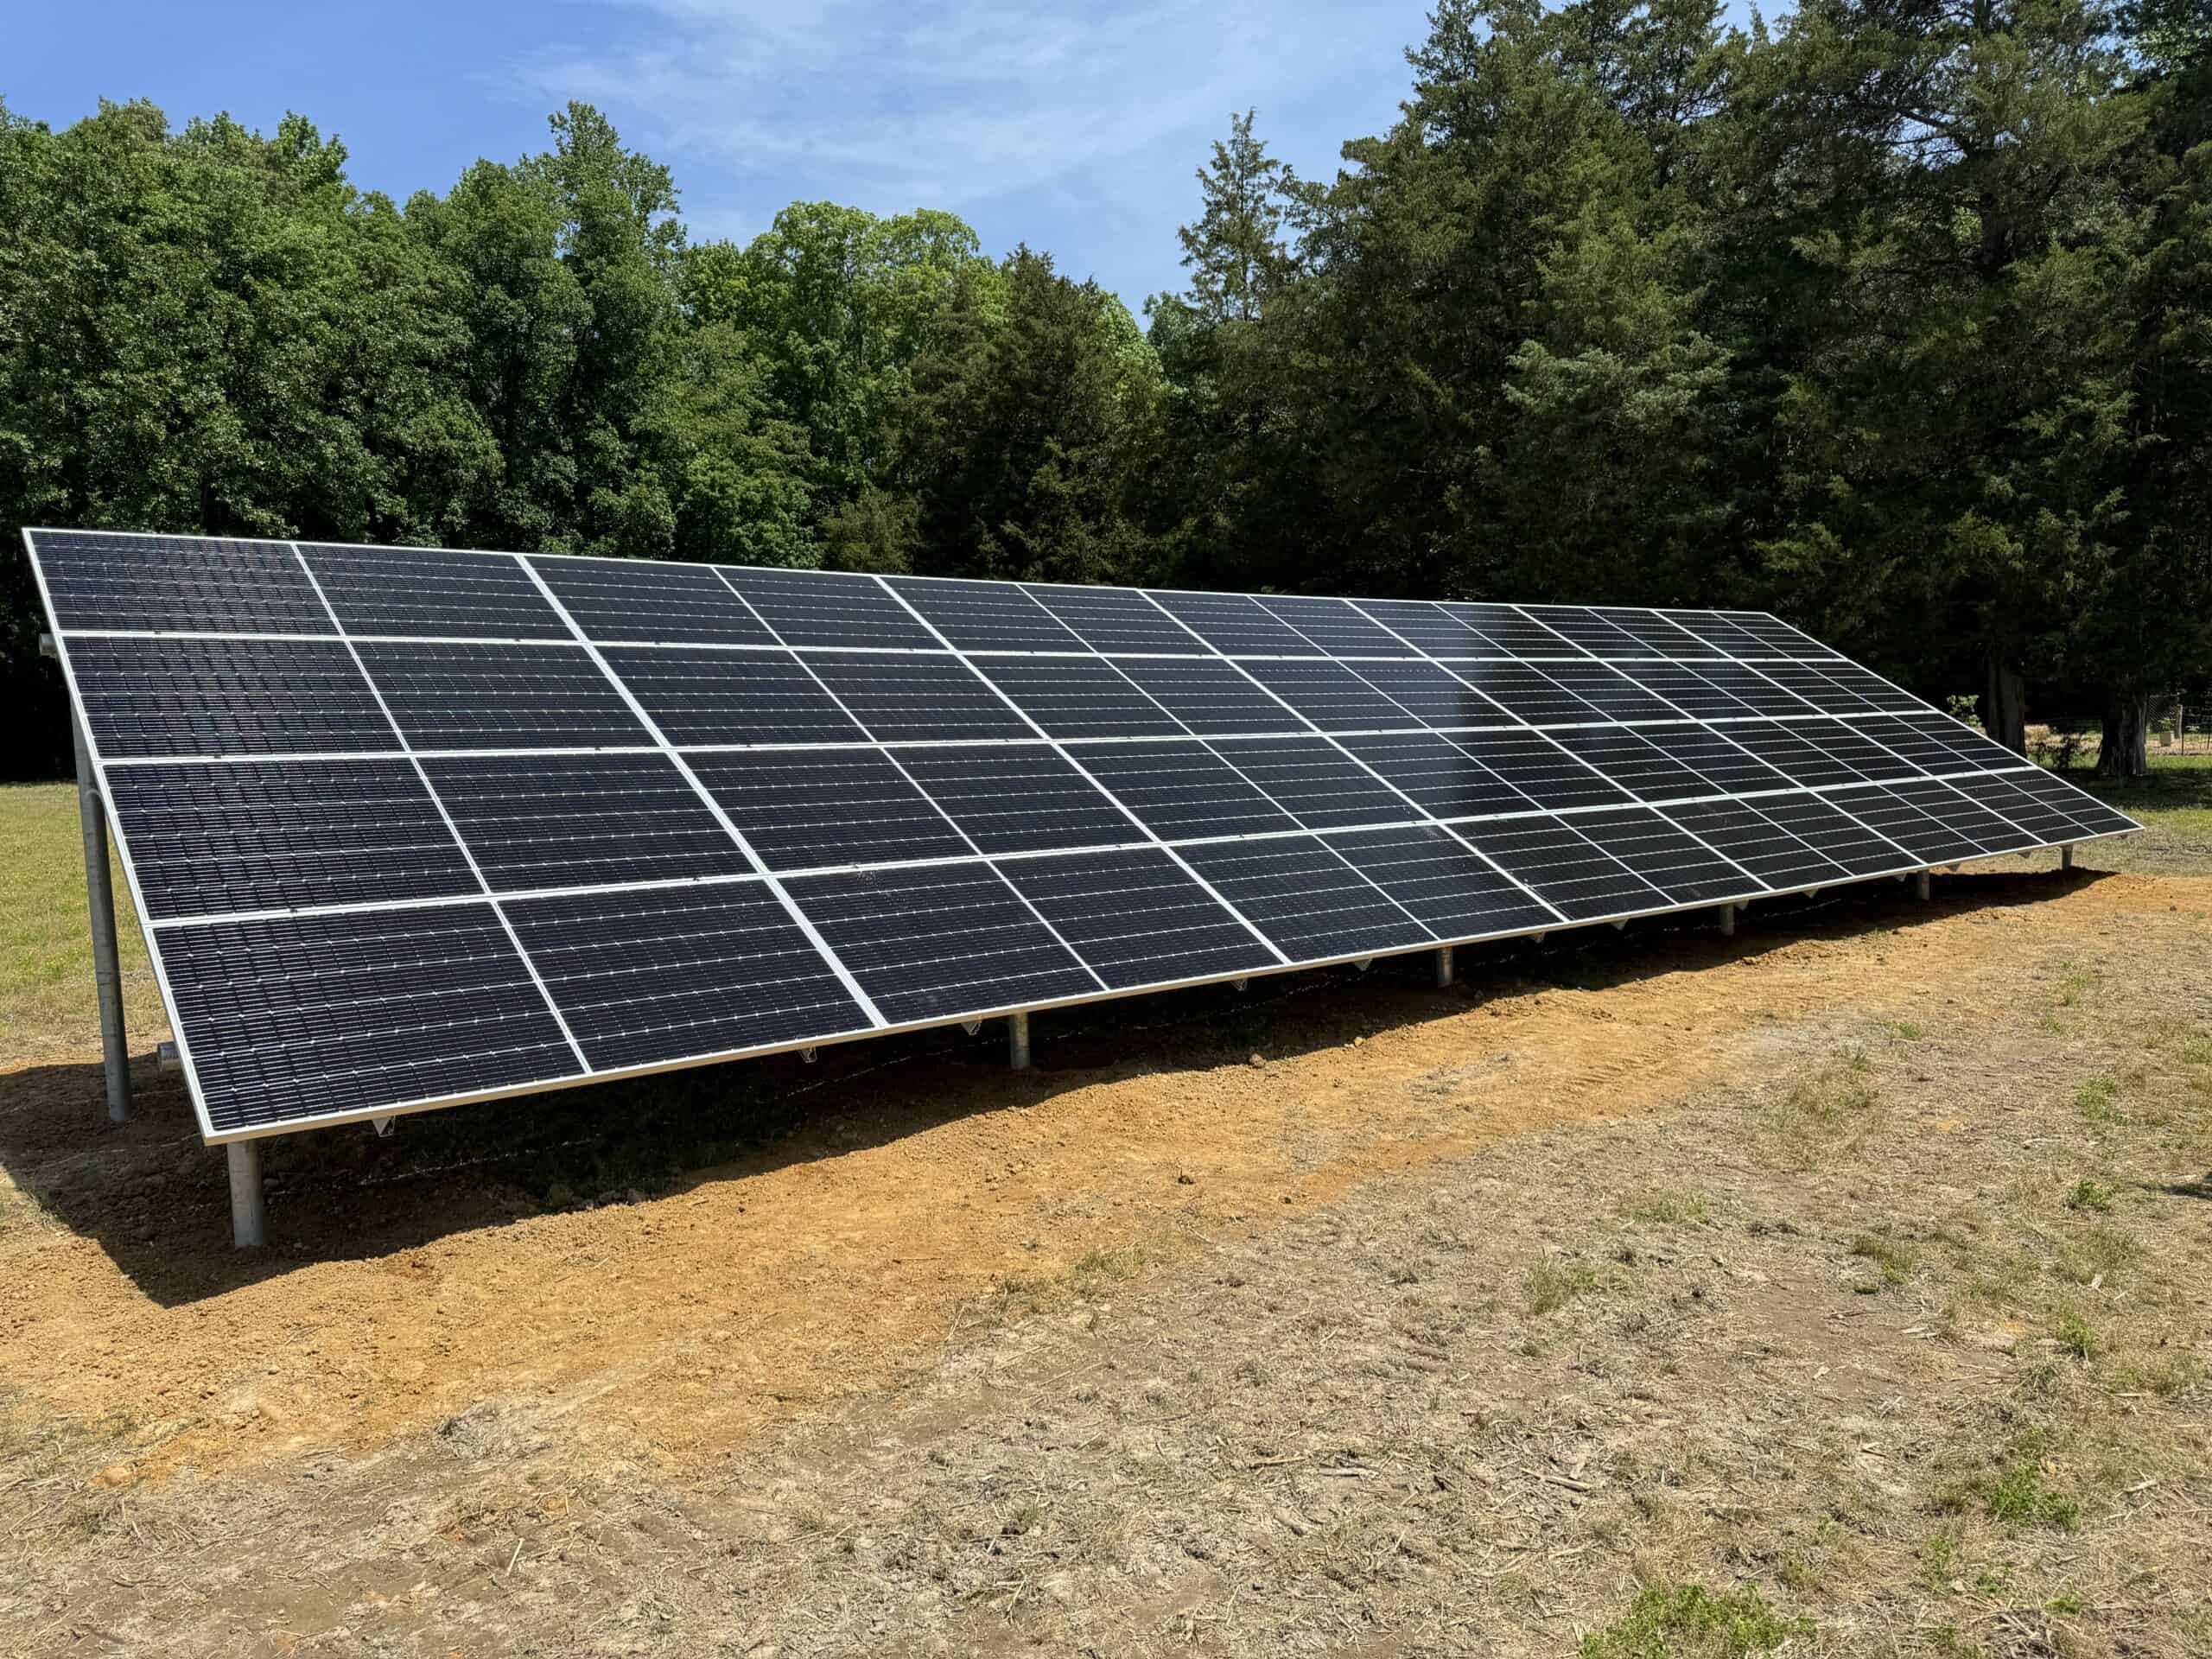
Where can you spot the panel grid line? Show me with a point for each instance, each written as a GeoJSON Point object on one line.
{"type": "Point", "coordinates": [790, 906]}
{"type": "Point", "coordinates": [884, 750]}
{"type": "Point", "coordinates": [452, 828]}
{"type": "Point", "coordinates": [1058, 747]}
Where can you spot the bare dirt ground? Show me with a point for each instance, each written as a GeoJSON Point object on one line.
{"type": "Point", "coordinates": [1863, 1259]}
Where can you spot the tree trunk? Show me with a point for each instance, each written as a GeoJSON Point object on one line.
{"type": "Point", "coordinates": [2004, 703]}
{"type": "Point", "coordinates": [2125, 750]}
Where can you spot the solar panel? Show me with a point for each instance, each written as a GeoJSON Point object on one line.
{"type": "Point", "coordinates": [412, 826]}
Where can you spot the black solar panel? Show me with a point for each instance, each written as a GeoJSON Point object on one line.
{"type": "Point", "coordinates": [815, 809]}
{"type": "Point", "coordinates": [638, 815]}
{"type": "Point", "coordinates": [617, 601]}
{"type": "Point", "coordinates": [581, 820]}
{"type": "Point", "coordinates": [264, 835]}
{"type": "Point", "coordinates": [1137, 917]}
{"type": "Point", "coordinates": [227, 696]}
{"type": "Point", "coordinates": [425, 595]}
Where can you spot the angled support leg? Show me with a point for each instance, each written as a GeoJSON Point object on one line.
{"type": "Point", "coordinates": [99, 892]}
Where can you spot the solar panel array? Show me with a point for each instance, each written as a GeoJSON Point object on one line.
{"type": "Point", "coordinates": [411, 826]}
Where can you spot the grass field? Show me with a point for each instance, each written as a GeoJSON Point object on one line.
{"type": "Point", "coordinates": [1840, 1288]}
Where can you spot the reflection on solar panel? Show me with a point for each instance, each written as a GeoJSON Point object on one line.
{"type": "Point", "coordinates": [410, 827]}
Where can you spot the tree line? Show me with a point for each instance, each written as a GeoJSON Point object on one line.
{"type": "Point", "coordinates": [1894, 317]}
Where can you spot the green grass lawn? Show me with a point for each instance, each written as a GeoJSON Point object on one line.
{"type": "Point", "coordinates": [48, 1009]}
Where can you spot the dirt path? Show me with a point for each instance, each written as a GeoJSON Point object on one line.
{"type": "Point", "coordinates": [805, 1324]}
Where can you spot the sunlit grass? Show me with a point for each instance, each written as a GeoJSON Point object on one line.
{"type": "Point", "coordinates": [48, 1005]}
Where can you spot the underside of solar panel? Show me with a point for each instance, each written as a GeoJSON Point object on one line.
{"type": "Point", "coordinates": [410, 827]}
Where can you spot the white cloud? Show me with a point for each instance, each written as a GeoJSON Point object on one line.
{"type": "Point", "coordinates": [943, 101]}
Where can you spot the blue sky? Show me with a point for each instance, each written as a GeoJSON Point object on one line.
{"type": "Point", "coordinates": [1075, 129]}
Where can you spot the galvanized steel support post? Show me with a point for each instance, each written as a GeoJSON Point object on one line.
{"type": "Point", "coordinates": [1728, 921]}
{"type": "Point", "coordinates": [249, 1223]}
{"type": "Point", "coordinates": [1443, 966]}
{"type": "Point", "coordinates": [1017, 1041]}
{"type": "Point", "coordinates": [100, 893]}
{"type": "Point", "coordinates": [1920, 884]}
{"type": "Point", "coordinates": [2066, 856]}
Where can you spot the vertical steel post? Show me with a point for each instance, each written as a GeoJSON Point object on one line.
{"type": "Point", "coordinates": [249, 1223]}
{"type": "Point", "coordinates": [2066, 856]}
{"type": "Point", "coordinates": [1017, 1041]}
{"type": "Point", "coordinates": [1443, 966]}
{"type": "Point", "coordinates": [99, 894]}
{"type": "Point", "coordinates": [1920, 884]}
{"type": "Point", "coordinates": [1728, 921]}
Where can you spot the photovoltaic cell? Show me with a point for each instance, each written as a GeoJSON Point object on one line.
{"type": "Point", "coordinates": [1136, 918]}
{"type": "Point", "coordinates": [1777, 860]}
{"type": "Point", "coordinates": [1455, 893]}
{"type": "Point", "coordinates": [180, 584]}
{"type": "Point", "coordinates": [1236, 625]}
{"type": "Point", "coordinates": [699, 698]}
{"type": "Point", "coordinates": [903, 699]}
{"type": "Point", "coordinates": [1433, 696]}
{"type": "Point", "coordinates": [1569, 872]}
{"type": "Point", "coordinates": [1506, 630]}
{"type": "Point", "coordinates": [1666, 856]}
{"type": "Point", "coordinates": [1610, 692]}
{"type": "Point", "coordinates": [643, 977]}
{"type": "Point", "coordinates": [1774, 637]}
{"type": "Point", "coordinates": [1690, 689]}
{"type": "Point", "coordinates": [1426, 626]}
{"type": "Point", "coordinates": [1335, 626]}
{"type": "Point", "coordinates": [1331, 695]}
{"type": "Point", "coordinates": [2041, 824]}
{"type": "Point", "coordinates": [260, 834]}
{"type": "Point", "coordinates": [1589, 630]}
{"type": "Point", "coordinates": [581, 820]}
{"type": "Point", "coordinates": [1752, 688]}
{"type": "Point", "coordinates": [299, 1017]}
{"type": "Point", "coordinates": [826, 607]}
{"type": "Point", "coordinates": [1955, 811]}
{"type": "Point", "coordinates": [430, 595]}
{"type": "Point", "coordinates": [813, 809]}
{"type": "Point", "coordinates": [1529, 693]}
{"type": "Point", "coordinates": [1825, 827]}
{"type": "Point", "coordinates": [474, 696]}
{"type": "Point", "coordinates": [1208, 697]}
{"type": "Point", "coordinates": [1305, 898]}
{"type": "Point", "coordinates": [986, 615]}
{"type": "Point", "coordinates": [1792, 748]}
{"type": "Point", "coordinates": [1018, 798]}
{"type": "Point", "coordinates": [1655, 634]}
{"type": "Point", "coordinates": [1443, 777]}
{"type": "Point", "coordinates": [1078, 696]}
{"type": "Point", "coordinates": [1929, 840]}
{"type": "Point", "coordinates": [1115, 619]}
{"type": "Point", "coordinates": [1313, 781]}
{"type": "Point", "coordinates": [1641, 768]}
{"type": "Point", "coordinates": [940, 941]}
{"type": "Point", "coordinates": [1182, 790]}
{"type": "Point", "coordinates": [1723, 631]}
{"type": "Point", "coordinates": [1725, 765]}
{"type": "Point", "coordinates": [227, 696]}
{"type": "Point", "coordinates": [1540, 769]}
{"type": "Point", "coordinates": [630, 600]}
{"type": "Point", "coordinates": [2093, 816]}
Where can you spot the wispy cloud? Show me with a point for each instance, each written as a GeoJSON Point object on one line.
{"type": "Point", "coordinates": [1074, 127]}
{"type": "Point", "coordinates": [946, 101]}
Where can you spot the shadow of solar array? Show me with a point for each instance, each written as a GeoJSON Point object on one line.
{"type": "Point", "coordinates": [411, 826]}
